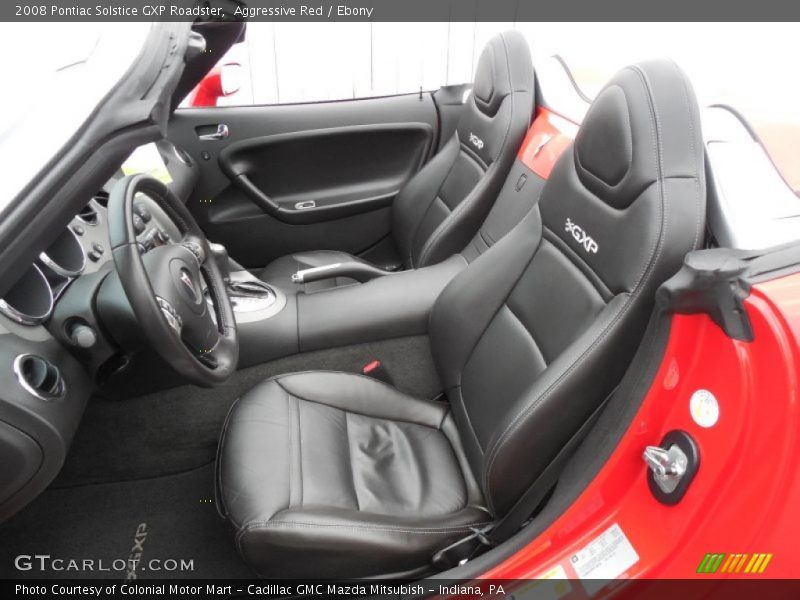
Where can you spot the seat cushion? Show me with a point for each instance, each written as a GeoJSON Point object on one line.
{"type": "Point", "coordinates": [279, 272]}
{"type": "Point", "coordinates": [325, 473]}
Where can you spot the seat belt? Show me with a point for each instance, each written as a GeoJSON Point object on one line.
{"type": "Point", "coordinates": [500, 530]}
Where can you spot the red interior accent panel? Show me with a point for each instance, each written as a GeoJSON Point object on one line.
{"type": "Point", "coordinates": [546, 140]}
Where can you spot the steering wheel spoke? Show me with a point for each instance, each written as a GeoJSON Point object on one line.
{"type": "Point", "coordinates": [165, 286]}
{"type": "Point", "coordinates": [208, 359]}
{"type": "Point", "coordinates": [195, 245]}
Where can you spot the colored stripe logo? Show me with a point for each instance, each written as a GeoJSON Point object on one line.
{"type": "Point", "coordinates": [752, 564]}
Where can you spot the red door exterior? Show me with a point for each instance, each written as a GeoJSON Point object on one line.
{"type": "Point", "coordinates": [743, 502]}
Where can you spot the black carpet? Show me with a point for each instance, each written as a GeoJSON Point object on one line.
{"type": "Point", "coordinates": [140, 474]}
{"type": "Point", "coordinates": [174, 516]}
{"type": "Point", "coordinates": [176, 430]}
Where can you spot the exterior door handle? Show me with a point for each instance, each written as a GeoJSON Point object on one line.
{"type": "Point", "coordinates": [220, 134]}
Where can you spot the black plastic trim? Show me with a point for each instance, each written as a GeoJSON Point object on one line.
{"type": "Point", "coordinates": [716, 282]}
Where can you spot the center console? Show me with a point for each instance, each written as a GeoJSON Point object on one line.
{"type": "Point", "coordinates": [274, 322]}
{"type": "Point", "coordinates": [253, 300]}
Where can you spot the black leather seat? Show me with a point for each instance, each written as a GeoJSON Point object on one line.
{"type": "Point", "coordinates": [439, 209]}
{"type": "Point", "coordinates": [336, 475]}
{"type": "Point", "coordinates": [342, 464]}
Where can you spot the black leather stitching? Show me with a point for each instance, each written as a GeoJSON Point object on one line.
{"type": "Point", "coordinates": [350, 458]}
{"type": "Point", "coordinates": [386, 529]}
{"type": "Point", "coordinates": [276, 379]}
{"type": "Point", "coordinates": [528, 331]}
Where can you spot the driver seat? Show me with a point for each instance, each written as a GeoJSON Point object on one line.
{"type": "Point", "coordinates": [336, 475]}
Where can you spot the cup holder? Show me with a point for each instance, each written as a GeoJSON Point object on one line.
{"type": "Point", "coordinates": [65, 256]}
{"type": "Point", "coordinates": [39, 377]}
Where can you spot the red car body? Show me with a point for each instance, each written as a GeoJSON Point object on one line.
{"type": "Point", "coordinates": [744, 498]}
{"type": "Point", "coordinates": [743, 501]}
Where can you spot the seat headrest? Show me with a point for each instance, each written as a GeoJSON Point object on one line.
{"type": "Point", "coordinates": [504, 66]}
{"type": "Point", "coordinates": [614, 151]}
{"type": "Point", "coordinates": [484, 85]}
{"type": "Point", "coordinates": [502, 92]}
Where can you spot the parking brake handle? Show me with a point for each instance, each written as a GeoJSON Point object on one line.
{"type": "Point", "coordinates": [359, 271]}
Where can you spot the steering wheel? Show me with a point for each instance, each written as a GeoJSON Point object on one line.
{"type": "Point", "coordinates": [164, 286]}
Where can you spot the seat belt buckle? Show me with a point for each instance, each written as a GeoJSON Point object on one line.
{"type": "Point", "coordinates": [459, 552]}
{"type": "Point", "coordinates": [376, 370]}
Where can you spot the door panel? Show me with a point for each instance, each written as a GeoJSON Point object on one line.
{"type": "Point", "coordinates": [319, 175]}
{"type": "Point", "coordinates": [350, 158]}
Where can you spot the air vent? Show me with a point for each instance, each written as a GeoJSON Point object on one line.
{"type": "Point", "coordinates": [101, 198]}
{"type": "Point", "coordinates": [89, 215]}
{"type": "Point", "coordinates": [39, 377]}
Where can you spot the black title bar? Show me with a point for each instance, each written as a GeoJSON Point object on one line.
{"type": "Point", "coordinates": [485, 589]}
{"type": "Point", "coordinates": [398, 10]}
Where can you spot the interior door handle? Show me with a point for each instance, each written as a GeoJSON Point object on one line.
{"type": "Point", "coordinates": [220, 134]}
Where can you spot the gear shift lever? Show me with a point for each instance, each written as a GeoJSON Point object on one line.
{"type": "Point", "coordinates": [220, 254]}
{"type": "Point", "coordinates": [249, 288]}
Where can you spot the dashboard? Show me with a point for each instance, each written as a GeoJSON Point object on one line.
{"type": "Point", "coordinates": [54, 346]}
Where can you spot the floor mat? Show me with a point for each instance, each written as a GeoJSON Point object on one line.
{"type": "Point", "coordinates": [164, 519]}
{"type": "Point", "coordinates": [176, 430]}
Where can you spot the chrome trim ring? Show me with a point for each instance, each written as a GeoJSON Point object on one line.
{"type": "Point", "coordinates": [62, 386]}
{"type": "Point", "coordinates": [96, 207]}
{"type": "Point", "coordinates": [58, 269]}
{"type": "Point", "coordinates": [25, 319]}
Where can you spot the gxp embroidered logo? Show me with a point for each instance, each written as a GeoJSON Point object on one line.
{"type": "Point", "coordinates": [137, 551]}
{"type": "Point", "coordinates": [475, 141]}
{"type": "Point", "coordinates": [734, 563]}
{"type": "Point", "coordinates": [581, 237]}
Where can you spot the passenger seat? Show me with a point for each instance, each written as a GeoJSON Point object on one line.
{"type": "Point", "coordinates": [438, 210]}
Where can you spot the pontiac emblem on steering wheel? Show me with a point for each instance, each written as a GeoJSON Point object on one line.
{"type": "Point", "coordinates": [187, 280]}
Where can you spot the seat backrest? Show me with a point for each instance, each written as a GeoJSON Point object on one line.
{"type": "Point", "coordinates": [536, 332]}
{"type": "Point", "coordinates": [439, 209]}
{"type": "Point", "coordinates": [519, 194]}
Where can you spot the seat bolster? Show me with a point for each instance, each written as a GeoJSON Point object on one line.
{"type": "Point", "coordinates": [250, 491]}
{"type": "Point", "coordinates": [466, 306]}
{"type": "Point", "coordinates": [340, 541]}
{"type": "Point", "coordinates": [363, 395]}
{"type": "Point", "coordinates": [416, 197]}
